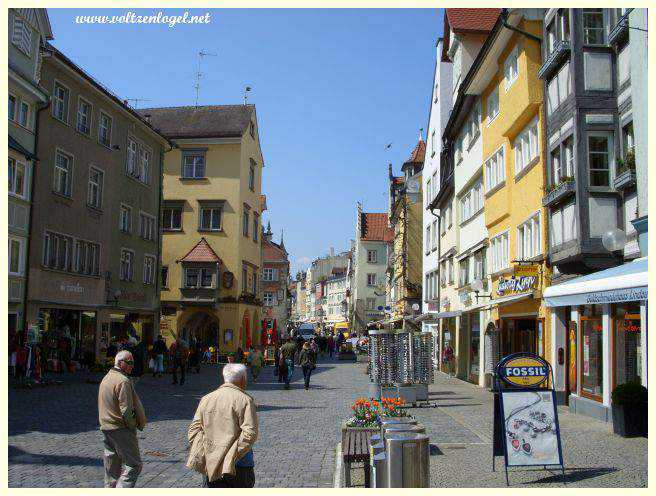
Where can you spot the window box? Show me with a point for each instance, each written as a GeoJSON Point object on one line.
{"type": "Point", "coordinates": [625, 179]}
{"type": "Point", "coordinates": [561, 52]}
{"type": "Point", "coordinates": [620, 32]}
{"type": "Point", "coordinates": [562, 190]}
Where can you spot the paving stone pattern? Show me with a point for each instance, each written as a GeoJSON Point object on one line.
{"type": "Point", "coordinates": [54, 439]}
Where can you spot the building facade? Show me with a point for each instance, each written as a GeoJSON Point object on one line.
{"type": "Point", "coordinates": [95, 241]}
{"type": "Point", "coordinates": [212, 206]}
{"type": "Point", "coordinates": [275, 284]}
{"type": "Point", "coordinates": [29, 29]}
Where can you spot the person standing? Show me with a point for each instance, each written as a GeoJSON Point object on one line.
{"type": "Point", "coordinates": [225, 420]}
{"type": "Point", "coordinates": [447, 358]}
{"type": "Point", "coordinates": [159, 350]}
{"type": "Point", "coordinates": [308, 362]}
{"type": "Point", "coordinates": [239, 357]}
{"type": "Point", "coordinates": [255, 361]}
{"type": "Point", "coordinates": [331, 345]}
{"type": "Point", "coordinates": [120, 414]}
{"type": "Point", "coordinates": [288, 351]}
{"type": "Point", "coordinates": [178, 353]}
{"type": "Point", "coordinates": [282, 367]}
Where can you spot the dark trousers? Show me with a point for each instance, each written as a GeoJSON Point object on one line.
{"type": "Point", "coordinates": [244, 477]}
{"type": "Point", "coordinates": [307, 372]}
{"type": "Point", "coordinates": [179, 364]}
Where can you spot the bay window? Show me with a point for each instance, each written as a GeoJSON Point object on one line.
{"type": "Point", "coordinates": [563, 224]}
{"type": "Point", "coordinates": [600, 158]}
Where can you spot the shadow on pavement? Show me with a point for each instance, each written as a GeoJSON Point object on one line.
{"type": "Point", "coordinates": [19, 456]}
{"type": "Point", "coordinates": [573, 475]}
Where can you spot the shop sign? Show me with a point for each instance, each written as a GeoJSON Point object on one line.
{"type": "Point", "coordinates": [516, 284]}
{"type": "Point", "coordinates": [71, 288]}
{"type": "Point", "coordinates": [526, 270]}
{"type": "Point", "coordinates": [133, 296]}
{"type": "Point", "coordinates": [523, 370]}
{"type": "Point", "coordinates": [617, 296]}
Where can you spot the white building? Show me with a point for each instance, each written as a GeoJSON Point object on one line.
{"type": "Point", "coordinates": [335, 307]}
{"type": "Point", "coordinates": [440, 107]}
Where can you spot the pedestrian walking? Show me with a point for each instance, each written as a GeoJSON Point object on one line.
{"type": "Point", "coordinates": [226, 421]}
{"type": "Point", "coordinates": [313, 345]}
{"type": "Point", "coordinates": [308, 362]}
{"type": "Point", "coordinates": [255, 361]}
{"type": "Point", "coordinates": [447, 358]}
{"type": "Point", "coordinates": [178, 353]}
{"type": "Point", "coordinates": [288, 351]}
{"type": "Point", "coordinates": [120, 414]}
{"type": "Point", "coordinates": [282, 367]}
{"type": "Point", "coordinates": [159, 350]}
{"type": "Point", "coordinates": [239, 357]}
{"type": "Point", "coordinates": [331, 345]}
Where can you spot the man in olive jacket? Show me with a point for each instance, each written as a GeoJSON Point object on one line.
{"type": "Point", "coordinates": [120, 413]}
{"type": "Point", "coordinates": [225, 424]}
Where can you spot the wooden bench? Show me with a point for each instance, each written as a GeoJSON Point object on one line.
{"type": "Point", "coordinates": [355, 448]}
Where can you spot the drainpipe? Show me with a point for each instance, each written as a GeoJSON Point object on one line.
{"type": "Point", "coordinates": [439, 273]}
{"type": "Point", "coordinates": [504, 23]}
{"type": "Point", "coordinates": [40, 108]}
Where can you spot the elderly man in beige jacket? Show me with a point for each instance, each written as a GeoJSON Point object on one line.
{"type": "Point", "coordinates": [120, 413]}
{"type": "Point", "coordinates": [223, 432]}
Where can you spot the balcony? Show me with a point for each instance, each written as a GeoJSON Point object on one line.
{"type": "Point", "coordinates": [625, 179]}
{"type": "Point", "coordinates": [199, 295]}
{"type": "Point", "coordinates": [620, 32]}
{"type": "Point", "coordinates": [564, 189]}
{"type": "Point", "coordinates": [559, 53]}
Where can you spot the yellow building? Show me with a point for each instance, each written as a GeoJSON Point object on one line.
{"type": "Point", "coordinates": [514, 180]}
{"type": "Point", "coordinates": [406, 209]}
{"type": "Point", "coordinates": [211, 211]}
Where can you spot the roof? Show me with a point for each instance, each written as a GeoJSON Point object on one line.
{"type": "Point", "coordinates": [16, 146]}
{"type": "Point", "coordinates": [201, 253]}
{"type": "Point", "coordinates": [627, 282]}
{"type": "Point", "coordinates": [375, 227]}
{"type": "Point", "coordinates": [472, 20]}
{"type": "Point", "coordinates": [211, 121]}
{"type": "Point", "coordinates": [273, 252]}
{"type": "Point", "coordinates": [417, 155]}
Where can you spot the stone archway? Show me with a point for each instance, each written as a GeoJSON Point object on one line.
{"type": "Point", "coordinates": [201, 325]}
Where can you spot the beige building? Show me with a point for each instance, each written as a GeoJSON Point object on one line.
{"type": "Point", "coordinates": [212, 252]}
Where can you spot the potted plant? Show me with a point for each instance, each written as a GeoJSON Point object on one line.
{"type": "Point", "coordinates": [629, 407]}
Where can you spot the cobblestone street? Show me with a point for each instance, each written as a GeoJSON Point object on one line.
{"type": "Point", "coordinates": [54, 440]}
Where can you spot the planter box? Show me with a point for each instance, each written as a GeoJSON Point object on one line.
{"type": "Point", "coordinates": [625, 180]}
{"type": "Point", "coordinates": [375, 430]}
{"type": "Point", "coordinates": [629, 421]}
{"type": "Point", "coordinates": [563, 190]}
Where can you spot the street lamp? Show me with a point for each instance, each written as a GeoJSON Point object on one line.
{"type": "Point", "coordinates": [614, 239]}
{"type": "Point", "coordinates": [477, 286]}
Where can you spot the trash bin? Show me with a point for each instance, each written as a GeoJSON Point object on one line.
{"type": "Point", "coordinates": [399, 428]}
{"type": "Point", "coordinates": [397, 421]}
{"type": "Point", "coordinates": [379, 472]}
{"type": "Point", "coordinates": [407, 459]}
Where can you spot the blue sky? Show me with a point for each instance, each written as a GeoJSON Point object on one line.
{"type": "Point", "coordinates": [331, 88]}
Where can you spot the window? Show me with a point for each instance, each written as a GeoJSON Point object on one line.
{"type": "Point", "coordinates": [193, 165]}
{"type": "Point", "coordinates": [552, 36]}
{"type": "Point", "coordinates": [474, 125]}
{"type": "Point", "coordinates": [256, 229]}
{"type": "Point", "coordinates": [270, 274]}
{"type": "Point", "coordinates": [443, 274]}
{"type": "Point", "coordinates": [146, 226]}
{"type": "Point", "coordinates": [105, 129]}
{"type": "Point", "coordinates": [149, 270]}
{"type": "Point", "coordinates": [60, 103]}
{"type": "Point", "coordinates": [568, 149]}
{"type": "Point", "coordinates": [21, 36]}
{"type": "Point", "coordinates": [528, 238]}
{"type": "Point", "coordinates": [12, 107]}
{"type": "Point", "coordinates": [471, 202]}
{"type": "Point", "coordinates": [269, 299]}
{"type": "Point", "coordinates": [627, 139]}
{"type": "Point", "coordinates": [559, 88]}
{"type": "Point", "coordinates": [371, 279]}
{"type": "Point", "coordinates": [495, 170]}
{"type": "Point", "coordinates": [464, 272]}
{"type": "Point", "coordinates": [458, 150]}
{"type": "Point", "coordinates": [563, 224]}
{"type": "Point", "coordinates": [210, 218]}
{"type": "Point", "coordinates": [172, 219]}
{"type": "Point", "coordinates": [83, 116]}
{"type": "Point", "coordinates": [125, 219]}
{"type": "Point", "coordinates": [198, 278]}
{"type": "Point", "coordinates": [510, 68]}
{"type": "Point", "coordinates": [371, 304]}
{"type": "Point", "coordinates": [451, 270]}
{"type": "Point", "coordinates": [164, 274]}
{"type": "Point", "coordinates": [63, 173]}
{"type": "Point", "coordinates": [94, 194]}
{"type": "Point", "coordinates": [144, 162]}
{"type": "Point", "coordinates": [433, 142]}
{"type": "Point", "coordinates": [131, 165]}
{"type": "Point", "coordinates": [429, 189]}
{"type": "Point", "coordinates": [527, 147]}
{"type": "Point", "coordinates": [563, 24]}
{"type": "Point", "coordinates": [594, 31]}
{"type": "Point", "coordinates": [428, 238]}
{"type": "Point", "coordinates": [244, 279]}
{"type": "Point", "coordinates": [479, 265]}
{"type": "Point", "coordinates": [443, 222]}
{"type": "Point", "coordinates": [372, 256]}
{"type": "Point", "coordinates": [87, 258]}
{"type": "Point", "coordinates": [251, 176]}
{"type": "Point", "coordinates": [57, 251]}
{"type": "Point", "coordinates": [600, 158]}
{"type": "Point", "coordinates": [127, 265]}
{"type": "Point", "coordinates": [16, 256]}
{"type": "Point", "coordinates": [493, 105]}
{"type": "Point", "coordinates": [500, 252]}
{"type": "Point", "coordinates": [16, 177]}
{"type": "Point", "coordinates": [591, 355]}
{"type": "Point", "coordinates": [23, 114]}
{"type": "Point", "coordinates": [252, 129]}
{"type": "Point", "coordinates": [245, 222]}
{"type": "Point", "coordinates": [434, 236]}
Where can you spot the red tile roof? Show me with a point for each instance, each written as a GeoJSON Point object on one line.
{"type": "Point", "coordinates": [472, 20]}
{"type": "Point", "coordinates": [417, 155]}
{"type": "Point", "coordinates": [375, 228]}
{"type": "Point", "coordinates": [201, 253]}
{"type": "Point", "coordinates": [273, 252]}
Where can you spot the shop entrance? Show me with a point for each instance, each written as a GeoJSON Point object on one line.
{"type": "Point", "coordinates": [519, 335]}
{"type": "Point", "coordinates": [202, 328]}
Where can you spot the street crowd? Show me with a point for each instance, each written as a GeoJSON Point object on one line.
{"type": "Point", "coordinates": [225, 426]}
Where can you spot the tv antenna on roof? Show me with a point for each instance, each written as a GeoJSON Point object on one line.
{"type": "Point", "coordinates": [199, 74]}
{"type": "Point", "coordinates": [136, 101]}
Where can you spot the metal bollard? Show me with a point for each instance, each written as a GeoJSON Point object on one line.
{"type": "Point", "coordinates": [379, 474]}
{"type": "Point", "coordinates": [408, 460]}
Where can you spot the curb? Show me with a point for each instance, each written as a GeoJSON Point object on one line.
{"type": "Point", "coordinates": [337, 477]}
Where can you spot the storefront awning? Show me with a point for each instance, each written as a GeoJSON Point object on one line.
{"type": "Point", "coordinates": [446, 315]}
{"type": "Point", "coordinates": [626, 282]}
{"type": "Point", "coordinates": [504, 300]}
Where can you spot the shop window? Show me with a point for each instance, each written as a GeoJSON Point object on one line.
{"type": "Point", "coordinates": [592, 356]}
{"type": "Point", "coordinates": [627, 344]}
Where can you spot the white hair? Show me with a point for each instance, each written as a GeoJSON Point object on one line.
{"type": "Point", "coordinates": [122, 355]}
{"type": "Point", "coordinates": [234, 373]}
